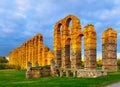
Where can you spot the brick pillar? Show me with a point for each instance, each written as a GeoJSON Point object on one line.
{"type": "Point", "coordinates": [21, 47]}
{"type": "Point", "coordinates": [65, 49]}
{"type": "Point", "coordinates": [50, 56]}
{"type": "Point", "coordinates": [29, 51]}
{"type": "Point", "coordinates": [76, 52]}
{"type": "Point", "coordinates": [44, 55]}
{"type": "Point", "coordinates": [109, 50]}
{"type": "Point", "coordinates": [90, 47]}
{"type": "Point", "coordinates": [26, 51]}
{"type": "Point", "coordinates": [67, 73]}
{"type": "Point", "coordinates": [18, 57]}
{"type": "Point", "coordinates": [61, 73]}
{"type": "Point", "coordinates": [36, 48]}
{"type": "Point", "coordinates": [40, 45]}
{"type": "Point", "coordinates": [24, 56]}
{"type": "Point", "coordinates": [57, 44]}
{"type": "Point", "coordinates": [35, 52]}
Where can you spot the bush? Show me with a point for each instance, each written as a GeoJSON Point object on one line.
{"type": "Point", "coordinates": [118, 62]}
{"type": "Point", "coordinates": [3, 60]}
{"type": "Point", "coordinates": [99, 63]}
{"type": "Point", "coordinates": [82, 64]}
{"type": "Point", "coordinates": [2, 66]}
{"type": "Point", "coordinates": [47, 66]}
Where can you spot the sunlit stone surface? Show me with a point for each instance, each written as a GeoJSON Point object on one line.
{"type": "Point", "coordinates": [66, 56]}
{"type": "Point", "coordinates": [32, 51]}
{"type": "Point", "coordinates": [109, 50]}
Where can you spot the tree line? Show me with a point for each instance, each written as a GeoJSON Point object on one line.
{"type": "Point", "coordinates": [3, 59]}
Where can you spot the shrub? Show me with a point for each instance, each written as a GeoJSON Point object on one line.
{"type": "Point", "coordinates": [9, 66]}
{"type": "Point", "coordinates": [3, 60]}
{"type": "Point", "coordinates": [82, 64]}
{"type": "Point", "coordinates": [118, 62]}
{"type": "Point", "coordinates": [99, 63]}
{"type": "Point", "coordinates": [47, 66]}
{"type": "Point", "coordinates": [2, 66]}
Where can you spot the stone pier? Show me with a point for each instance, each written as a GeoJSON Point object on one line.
{"type": "Point", "coordinates": [109, 50]}
{"type": "Point", "coordinates": [90, 47]}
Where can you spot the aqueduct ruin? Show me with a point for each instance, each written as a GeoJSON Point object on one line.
{"type": "Point", "coordinates": [32, 51]}
{"type": "Point", "coordinates": [71, 36]}
{"type": "Point", "coordinates": [68, 46]}
{"type": "Point", "coordinates": [67, 53]}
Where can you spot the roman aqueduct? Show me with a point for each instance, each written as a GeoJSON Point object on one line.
{"type": "Point", "coordinates": [68, 47]}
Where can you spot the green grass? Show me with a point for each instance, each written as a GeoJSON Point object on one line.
{"type": "Point", "coordinates": [14, 78]}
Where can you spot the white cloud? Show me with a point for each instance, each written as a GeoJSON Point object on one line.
{"type": "Point", "coordinates": [29, 17]}
{"type": "Point", "coordinates": [23, 5]}
{"type": "Point", "coordinates": [20, 15]}
{"type": "Point", "coordinates": [45, 9]}
{"type": "Point", "coordinates": [4, 31]}
{"type": "Point", "coordinates": [110, 14]}
{"type": "Point", "coordinates": [27, 33]}
{"type": "Point", "coordinates": [116, 2]}
{"type": "Point", "coordinates": [7, 31]}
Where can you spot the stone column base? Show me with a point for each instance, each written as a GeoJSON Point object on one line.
{"type": "Point", "coordinates": [91, 73]}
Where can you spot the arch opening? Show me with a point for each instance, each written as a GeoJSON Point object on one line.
{"type": "Point", "coordinates": [68, 52]}
{"type": "Point", "coordinates": [69, 25]}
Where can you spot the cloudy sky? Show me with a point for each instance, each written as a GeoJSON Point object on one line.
{"type": "Point", "coordinates": [22, 19]}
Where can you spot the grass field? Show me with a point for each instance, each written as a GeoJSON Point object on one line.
{"type": "Point", "coordinates": [14, 78]}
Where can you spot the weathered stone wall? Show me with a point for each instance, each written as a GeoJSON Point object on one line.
{"type": "Point", "coordinates": [32, 51]}
{"type": "Point", "coordinates": [47, 56]}
{"type": "Point", "coordinates": [91, 73]}
{"type": "Point", "coordinates": [109, 50]}
{"type": "Point", "coordinates": [37, 72]}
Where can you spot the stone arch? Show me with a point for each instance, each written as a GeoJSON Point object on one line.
{"type": "Point", "coordinates": [57, 43]}
{"type": "Point", "coordinates": [67, 41]}
{"type": "Point", "coordinates": [75, 23]}
{"type": "Point", "coordinates": [60, 38]}
{"type": "Point", "coordinates": [57, 36]}
{"type": "Point", "coordinates": [72, 32]}
{"type": "Point", "coordinates": [73, 35]}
